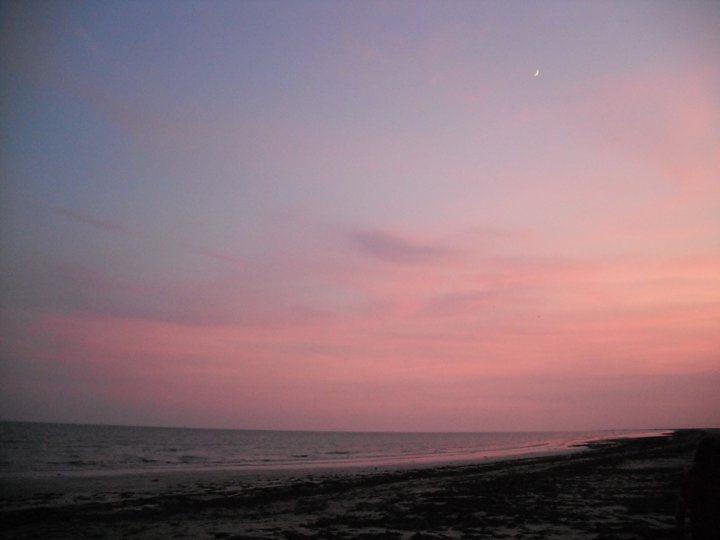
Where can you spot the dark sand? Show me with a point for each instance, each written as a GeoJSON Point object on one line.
{"type": "Point", "coordinates": [623, 489]}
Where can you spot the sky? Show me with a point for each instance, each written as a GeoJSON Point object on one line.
{"type": "Point", "coordinates": [361, 215]}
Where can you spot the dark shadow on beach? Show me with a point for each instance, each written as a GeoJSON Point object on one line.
{"type": "Point", "coordinates": [700, 498]}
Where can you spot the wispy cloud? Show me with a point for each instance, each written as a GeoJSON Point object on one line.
{"type": "Point", "coordinates": [88, 42]}
{"type": "Point", "coordinates": [667, 122]}
{"type": "Point", "coordinates": [392, 248]}
{"type": "Point", "coordinates": [121, 229]}
{"type": "Point", "coordinates": [466, 302]}
{"type": "Point", "coordinates": [103, 224]}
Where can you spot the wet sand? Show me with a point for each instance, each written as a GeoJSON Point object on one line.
{"type": "Point", "coordinates": [615, 489]}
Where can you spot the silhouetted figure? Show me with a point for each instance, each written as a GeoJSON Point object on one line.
{"type": "Point", "coordinates": [701, 493]}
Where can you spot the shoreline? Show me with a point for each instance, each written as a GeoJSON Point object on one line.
{"type": "Point", "coordinates": [400, 461]}
{"type": "Point", "coordinates": [520, 492]}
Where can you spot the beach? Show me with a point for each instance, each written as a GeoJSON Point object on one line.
{"type": "Point", "coordinates": [624, 488]}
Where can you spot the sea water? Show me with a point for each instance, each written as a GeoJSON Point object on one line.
{"type": "Point", "coordinates": [41, 449]}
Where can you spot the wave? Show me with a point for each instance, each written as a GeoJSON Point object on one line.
{"type": "Point", "coordinates": [192, 459]}
{"type": "Point", "coordinates": [48, 448]}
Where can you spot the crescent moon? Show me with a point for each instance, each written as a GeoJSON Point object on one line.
{"type": "Point", "coordinates": [537, 73]}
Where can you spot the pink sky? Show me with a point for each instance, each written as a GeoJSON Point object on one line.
{"type": "Point", "coordinates": [362, 216]}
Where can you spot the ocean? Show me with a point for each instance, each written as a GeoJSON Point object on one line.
{"type": "Point", "coordinates": [39, 449]}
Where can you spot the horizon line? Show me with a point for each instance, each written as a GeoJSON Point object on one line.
{"type": "Point", "coordinates": [94, 424]}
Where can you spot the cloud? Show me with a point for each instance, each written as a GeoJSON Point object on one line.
{"type": "Point", "coordinates": [103, 224]}
{"type": "Point", "coordinates": [663, 116]}
{"type": "Point", "coordinates": [391, 248]}
{"type": "Point", "coordinates": [468, 302]}
{"type": "Point", "coordinates": [88, 42]}
{"type": "Point", "coordinates": [118, 228]}
{"type": "Point", "coordinates": [245, 297]}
